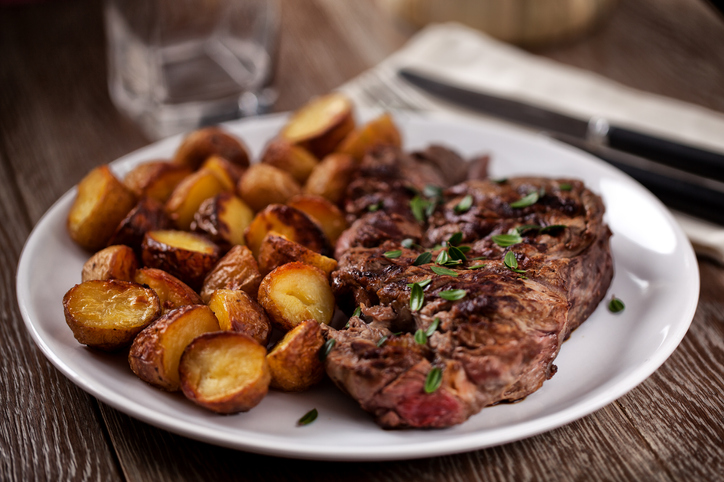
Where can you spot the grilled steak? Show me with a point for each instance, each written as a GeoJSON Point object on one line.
{"type": "Point", "coordinates": [499, 340]}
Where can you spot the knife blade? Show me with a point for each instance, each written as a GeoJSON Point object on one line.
{"type": "Point", "coordinates": [597, 131]}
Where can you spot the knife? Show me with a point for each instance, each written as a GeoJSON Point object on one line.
{"type": "Point", "coordinates": [597, 131]}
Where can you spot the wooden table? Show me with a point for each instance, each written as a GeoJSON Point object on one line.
{"type": "Point", "coordinates": [56, 122]}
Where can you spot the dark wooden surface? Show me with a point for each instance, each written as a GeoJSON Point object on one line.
{"type": "Point", "coordinates": [56, 122]}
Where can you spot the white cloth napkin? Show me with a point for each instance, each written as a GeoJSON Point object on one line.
{"type": "Point", "coordinates": [469, 58]}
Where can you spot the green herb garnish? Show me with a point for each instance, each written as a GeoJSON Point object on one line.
{"type": "Point", "coordinates": [374, 207]}
{"type": "Point", "coordinates": [552, 227]}
{"type": "Point", "coordinates": [393, 254]}
{"type": "Point", "coordinates": [419, 206]}
{"type": "Point", "coordinates": [443, 271]}
{"type": "Point", "coordinates": [432, 190]}
{"type": "Point", "coordinates": [420, 337]}
{"type": "Point", "coordinates": [357, 311]}
{"type": "Point", "coordinates": [502, 180]}
{"type": "Point", "coordinates": [433, 380]}
{"type": "Point", "coordinates": [615, 305]}
{"type": "Point", "coordinates": [308, 417]}
{"type": "Point", "coordinates": [477, 266]}
{"type": "Point", "coordinates": [464, 204]}
{"type": "Point", "coordinates": [423, 258]}
{"type": "Point", "coordinates": [564, 186]}
{"type": "Point", "coordinates": [512, 263]}
{"type": "Point", "coordinates": [505, 240]}
{"type": "Point", "coordinates": [408, 243]}
{"type": "Point", "coordinates": [452, 295]}
{"type": "Point", "coordinates": [326, 348]}
{"type": "Point", "coordinates": [442, 258]}
{"type": "Point", "coordinates": [433, 327]}
{"type": "Point", "coordinates": [382, 341]}
{"type": "Point", "coordinates": [422, 283]}
{"type": "Point", "coordinates": [417, 297]}
{"type": "Point", "coordinates": [526, 201]}
{"type": "Point", "coordinates": [527, 227]}
{"type": "Point", "coordinates": [456, 253]}
{"type": "Point", "coordinates": [455, 239]}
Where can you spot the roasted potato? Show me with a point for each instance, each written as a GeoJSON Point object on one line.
{"type": "Point", "coordinates": [237, 270]}
{"type": "Point", "coordinates": [155, 179]}
{"type": "Point", "coordinates": [190, 194]}
{"type": "Point", "coordinates": [289, 222]}
{"type": "Point", "coordinates": [108, 314]}
{"type": "Point", "coordinates": [324, 213]}
{"type": "Point", "coordinates": [320, 125]}
{"type": "Point", "coordinates": [294, 362]}
{"type": "Point", "coordinates": [290, 158]}
{"type": "Point", "coordinates": [296, 292]}
{"type": "Point", "coordinates": [331, 177]}
{"type": "Point", "coordinates": [380, 131]}
{"type": "Point", "coordinates": [227, 172]}
{"type": "Point", "coordinates": [223, 218]}
{"type": "Point", "coordinates": [172, 292]}
{"type": "Point", "coordinates": [203, 143]}
{"type": "Point", "coordinates": [277, 250]}
{"type": "Point", "coordinates": [156, 351]}
{"type": "Point", "coordinates": [113, 262]}
{"type": "Point", "coordinates": [100, 205]}
{"type": "Point", "coordinates": [237, 311]}
{"type": "Point", "coordinates": [147, 215]}
{"type": "Point", "coordinates": [225, 372]}
{"type": "Point", "coordinates": [263, 184]}
{"type": "Point", "coordinates": [188, 256]}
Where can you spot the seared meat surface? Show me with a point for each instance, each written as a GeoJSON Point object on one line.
{"type": "Point", "coordinates": [499, 340]}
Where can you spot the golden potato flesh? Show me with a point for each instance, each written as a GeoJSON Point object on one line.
{"type": "Point", "coordinates": [172, 292]}
{"type": "Point", "coordinates": [378, 132]}
{"type": "Point", "coordinates": [203, 143]}
{"type": "Point", "coordinates": [290, 223]}
{"type": "Point", "coordinates": [188, 256]}
{"type": "Point", "coordinates": [108, 314]}
{"type": "Point", "coordinates": [189, 194]}
{"type": "Point", "coordinates": [156, 351]}
{"type": "Point", "coordinates": [155, 179]}
{"type": "Point", "coordinates": [320, 125]}
{"type": "Point", "coordinates": [262, 185]}
{"type": "Point", "coordinates": [237, 311]}
{"type": "Point", "coordinates": [227, 172]}
{"type": "Point", "coordinates": [290, 158]}
{"type": "Point", "coordinates": [296, 292]}
{"type": "Point", "coordinates": [324, 213]}
{"type": "Point", "coordinates": [331, 177]}
{"type": "Point", "coordinates": [100, 205]}
{"type": "Point", "coordinates": [294, 362]}
{"type": "Point", "coordinates": [147, 215]}
{"type": "Point", "coordinates": [223, 218]}
{"type": "Point", "coordinates": [237, 270]}
{"type": "Point", "coordinates": [277, 250]}
{"type": "Point", "coordinates": [225, 372]}
{"type": "Point", "coordinates": [113, 262]}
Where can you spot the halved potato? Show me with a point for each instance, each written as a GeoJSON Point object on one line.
{"type": "Point", "coordinates": [323, 212]}
{"type": "Point", "coordinates": [100, 205]}
{"type": "Point", "coordinates": [289, 222]}
{"type": "Point", "coordinates": [294, 362]}
{"type": "Point", "coordinates": [113, 262]}
{"type": "Point", "coordinates": [227, 172]}
{"type": "Point", "coordinates": [225, 372]}
{"type": "Point", "coordinates": [189, 194]}
{"type": "Point", "coordinates": [320, 125]}
{"type": "Point", "coordinates": [237, 270]}
{"type": "Point", "coordinates": [155, 179]}
{"type": "Point", "coordinates": [379, 131]}
{"type": "Point", "coordinates": [172, 292]}
{"type": "Point", "coordinates": [188, 256]}
{"type": "Point", "coordinates": [296, 292]}
{"type": "Point", "coordinates": [223, 218]}
{"type": "Point", "coordinates": [290, 158]}
{"type": "Point", "coordinates": [263, 184]}
{"type": "Point", "coordinates": [199, 145]}
{"type": "Point", "coordinates": [147, 215]}
{"type": "Point", "coordinates": [237, 311]}
{"type": "Point", "coordinates": [156, 351]}
{"type": "Point", "coordinates": [108, 314]}
{"type": "Point", "coordinates": [277, 250]}
{"type": "Point", "coordinates": [331, 177]}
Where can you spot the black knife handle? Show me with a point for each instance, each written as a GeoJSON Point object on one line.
{"type": "Point", "coordinates": [680, 156]}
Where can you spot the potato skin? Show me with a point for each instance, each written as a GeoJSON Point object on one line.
{"type": "Point", "coordinates": [189, 266]}
{"type": "Point", "coordinates": [227, 172]}
{"type": "Point", "coordinates": [290, 158]}
{"type": "Point", "coordinates": [321, 124]}
{"type": "Point", "coordinates": [223, 219]}
{"type": "Point", "coordinates": [331, 177]}
{"type": "Point", "coordinates": [100, 205]}
{"type": "Point", "coordinates": [156, 351]}
{"type": "Point", "coordinates": [237, 270]}
{"type": "Point", "coordinates": [188, 196]}
{"type": "Point", "coordinates": [277, 250]}
{"type": "Point", "coordinates": [377, 132]}
{"type": "Point", "coordinates": [113, 262]}
{"type": "Point", "coordinates": [155, 179]}
{"type": "Point", "coordinates": [328, 216]}
{"type": "Point", "coordinates": [106, 335]}
{"type": "Point", "coordinates": [172, 292]}
{"type": "Point", "coordinates": [204, 357]}
{"type": "Point", "coordinates": [262, 185]}
{"type": "Point", "coordinates": [289, 222]}
{"type": "Point", "coordinates": [294, 362]}
{"type": "Point", "coordinates": [147, 215]}
{"type": "Point", "coordinates": [199, 145]}
{"type": "Point", "coordinates": [239, 312]}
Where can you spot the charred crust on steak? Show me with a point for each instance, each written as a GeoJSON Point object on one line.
{"type": "Point", "coordinates": [499, 341]}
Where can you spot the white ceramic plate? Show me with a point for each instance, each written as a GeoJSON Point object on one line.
{"type": "Point", "coordinates": [656, 276]}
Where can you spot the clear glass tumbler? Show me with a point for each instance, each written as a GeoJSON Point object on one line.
{"type": "Point", "coordinates": [175, 65]}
